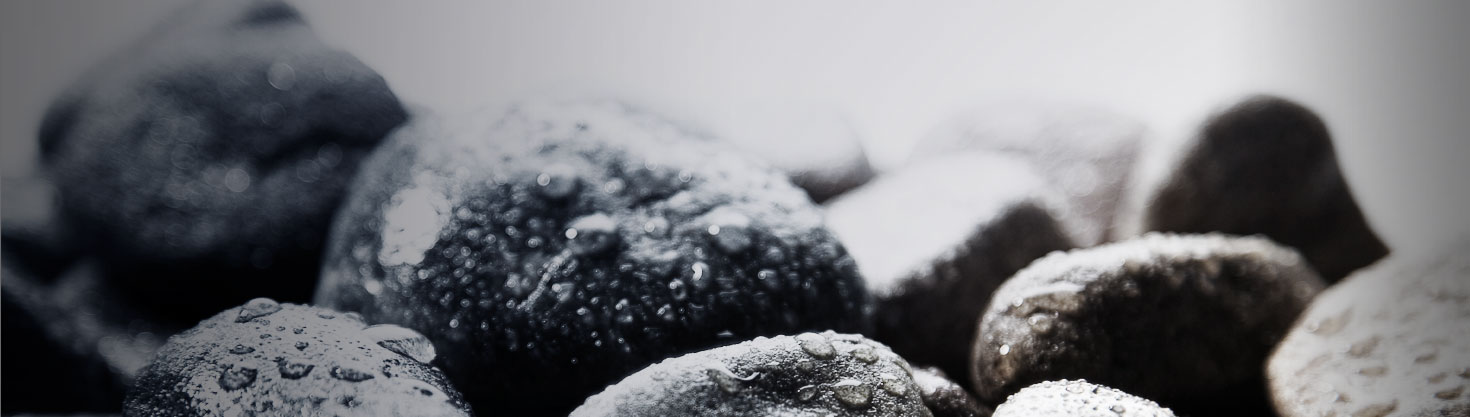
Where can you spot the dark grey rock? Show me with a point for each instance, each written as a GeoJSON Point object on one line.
{"type": "Point", "coordinates": [1186, 320]}
{"type": "Point", "coordinates": [1086, 153]}
{"type": "Point", "coordinates": [266, 358]}
{"type": "Point", "coordinates": [1267, 166]}
{"type": "Point", "coordinates": [934, 240]}
{"type": "Point", "coordinates": [1077, 399]}
{"type": "Point", "coordinates": [944, 397]}
{"type": "Point", "coordinates": [1392, 339]}
{"type": "Point", "coordinates": [203, 163]}
{"type": "Point", "coordinates": [556, 247]}
{"type": "Point", "coordinates": [810, 374]}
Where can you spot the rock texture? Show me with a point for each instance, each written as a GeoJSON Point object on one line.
{"type": "Point", "coordinates": [1078, 398]}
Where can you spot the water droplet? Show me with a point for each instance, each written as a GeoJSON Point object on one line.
{"type": "Point", "coordinates": [852, 393]}
{"type": "Point", "coordinates": [1363, 347]}
{"type": "Point", "coordinates": [241, 349]}
{"type": "Point", "coordinates": [864, 353]}
{"type": "Point", "coordinates": [1373, 371]}
{"type": "Point", "coordinates": [769, 279]}
{"type": "Point", "coordinates": [699, 275]}
{"type": "Point", "coordinates": [403, 341]}
{"type": "Point", "coordinates": [281, 76]}
{"type": "Point", "coordinates": [236, 378]}
{"type": "Point", "coordinates": [816, 345]}
{"type": "Point", "coordinates": [1450, 394]}
{"type": "Point", "coordinates": [259, 307]}
{"type": "Point", "coordinates": [726, 380]}
{"type": "Point", "coordinates": [237, 180]}
{"type": "Point", "coordinates": [807, 392]}
{"type": "Point", "coordinates": [1041, 322]}
{"type": "Point", "coordinates": [350, 375]}
{"type": "Point", "coordinates": [293, 370]}
{"type": "Point", "coordinates": [302, 345]}
{"type": "Point", "coordinates": [657, 226]}
{"type": "Point", "coordinates": [666, 312]}
{"type": "Point", "coordinates": [892, 384]}
{"type": "Point", "coordinates": [558, 181]}
{"type": "Point", "coordinates": [1377, 410]}
{"type": "Point", "coordinates": [1117, 408]}
{"type": "Point", "coordinates": [1005, 350]}
{"type": "Point", "coordinates": [805, 365]}
{"type": "Point", "coordinates": [453, 323]}
{"type": "Point", "coordinates": [677, 289]}
{"type": "Point", "coordinates": [591, 234]}
{"type": "Point", "coordinates": [730, 230]}
{"type": "Point", "coordinates": [1331, 325]}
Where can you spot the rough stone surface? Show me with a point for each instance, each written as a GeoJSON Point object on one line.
{"type": "Point", "coordinates": [944, 397]}
{"type": "Point", "coordinates": [1187, 320]}
{"type": "Point", "coordinates": [1079, 398]}
{"type": "Point", "coordinates": [810, 374]}
{"type": "Point", "coordinates": [556, 247]}
{"type": "Point", "coordinates": [266, 358]}
{"type": "Point", "coordinates": [1390, 340]}
{"type": "Point", "coordinates": [1267, 166]}
{"type": "Point", "coordinates": [934, 240]}
{"type": "Point", "coordinates": [1086, 153]}
{"type": "Point", "coordinates": [203, 163]}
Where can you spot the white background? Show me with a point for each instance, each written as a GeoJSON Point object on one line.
{"type": "Point", "coordinates": [1390, 78]}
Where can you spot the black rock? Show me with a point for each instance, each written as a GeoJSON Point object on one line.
{"type": "Point", "coordinates": [203, 164]}
{"type": "Point", "coordinates": [555, 248]}
{"type": "Point", "coordinates": [1087, 154]}
{"type": "Point", "coordinates": [1186, 320]}
{"type": "Point", "coordinates": [825, 374]}
{"type": "Point", "coordinates": [944, 397]}
{"type": "Point", "coordinates": [934, 240]}
{"type": "Point", "coordinates": [1077, 399]}
{"type": "Point", "coordinates": [33, 237]}
{"type": "Point", "coordinates": [1267, 166]}
{"type": "Point", "coordinates": [45, 369]}
{"type": "Point", "coordinates": [1392, 339]}
{"type": "Point", "coordinates": [266, 358]}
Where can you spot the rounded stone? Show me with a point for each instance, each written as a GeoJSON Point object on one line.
{"type": "Point", "coordinates": [447, 231]}
{"type": "Point", "coordinates": [1064, 398]}
{"type": "Point", "coordinates": [1187, 320]}
{"type": "Point", "coordinates": [1390, 340]}
{"type": "Point", "coordinates": [203, 163]}
{"type": "Point", "coordinates": [761, 377]}
{"type": "Point", "coordinates": [344, 371]}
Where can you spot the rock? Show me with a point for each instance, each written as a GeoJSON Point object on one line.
{"type": "Point", "coordinates": [1086, 153]}
{"type": "Point", "coordinates": [558, 247]}
{"type": "Point", "coordinates": [944, 397]}
{"type": "Point", "coordinates": [284, 359]}
{"type": "Point", "coordinates": [203, 164]}
{"type": "Point", "coordinates": [1077, 399]}
{"type": "Point", "coordinates": [817, 147]}
{"type": "Point", "coordinates": [1187, 320]}
{"type": "Point", "coordinates": [934, 240]}
{"type": "Point", "coordinates": [32, 235]}
{"type": "Point", "coordinates": [1267, 166]}
{"type": "Point", "coordinates": [809, 374]}
{"type": "Point", "coordinates": [1393, 339]}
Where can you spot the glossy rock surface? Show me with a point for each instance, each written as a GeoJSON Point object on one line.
{"type": "Point", "coordinates": [553, 248]}
{"type": "Point", "coordinates": [1186, 320]}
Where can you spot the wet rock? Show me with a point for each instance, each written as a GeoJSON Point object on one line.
{"type": "Point", "coordinates": [944, 397]}
{"type": "Point", "coordinates": [934, 240]}
{"type": "Point", "coordinates": [1267, 166]}
{"type": "Point", "coordinates": [46, 369]}
{"type": "Point", "coordinates": [1187, 320]}
{"type": "Point", "coordinates": [1393, 339]}
{"type": "Point", "coordinates": [30, 232]}
{"type": "Point", "coordinates": [1077, 399]}
{"type": "Point", "coordinates": [203, 163]}
{"type": "Point", "coordinates": [1088, 154]}
{"type": "Point", "coordinates": [810, 374]}
{"type": "Point", "coordinates": [267, 358]}
{"type": "Point", "coordinates": [556, 247]}
{"type": "Point", "coordinates": [817, 147]}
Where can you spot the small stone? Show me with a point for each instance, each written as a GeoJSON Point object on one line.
{"type": "Point", "coordinates": [1391, 315]}
{"type": "Point", "coordinates": [1063, 398]}
{"type": "Point", "coordinates": [1265, 166]}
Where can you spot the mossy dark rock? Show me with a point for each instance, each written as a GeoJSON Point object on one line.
{"type": "Point", "coordinates": [556, 247]}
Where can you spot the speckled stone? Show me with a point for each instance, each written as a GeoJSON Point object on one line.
{"type": "Point", "coordinates": [1078, 398]}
